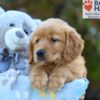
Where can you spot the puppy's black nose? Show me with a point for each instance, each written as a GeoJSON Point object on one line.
{"type": "Point", "coordinates": [40, 53]}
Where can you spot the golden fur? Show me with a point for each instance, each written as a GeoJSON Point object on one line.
{"type": "Point", "coordinates": [63, 60]}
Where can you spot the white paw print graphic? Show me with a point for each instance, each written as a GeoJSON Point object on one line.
{"type": "Point", "coordinates": [19, 95]}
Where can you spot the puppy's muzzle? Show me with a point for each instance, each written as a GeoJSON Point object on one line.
{"type": "Point", "coordinates": [41, 54]}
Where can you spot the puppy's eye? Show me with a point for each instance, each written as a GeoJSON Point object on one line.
{"type": "Point", "coordinates": [11, 24]}
{"type": "Point", "coordinates": [37, 41]}
{"type": "Point", "coordinates": [54, 40]}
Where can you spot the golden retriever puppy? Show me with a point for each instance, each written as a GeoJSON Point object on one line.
{"type": "Point", "coordinates": [55, 55]}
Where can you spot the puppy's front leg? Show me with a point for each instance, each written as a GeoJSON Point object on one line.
{"type": "Point", "coordinates": [58, 77]}
{"type": "Point", "coordinates": [39, 78]}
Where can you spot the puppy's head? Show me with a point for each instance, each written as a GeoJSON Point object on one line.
{"type": "Point", "coordinates": [54, 41]}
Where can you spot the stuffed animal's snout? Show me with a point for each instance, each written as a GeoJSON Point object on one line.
{"type": "Point", "coordinates": [16, 39]}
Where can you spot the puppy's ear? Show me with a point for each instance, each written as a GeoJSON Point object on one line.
{"type": "Point", "coordinates": [73, 46]}
{"type": "Point", "coordinates": [30, 52]}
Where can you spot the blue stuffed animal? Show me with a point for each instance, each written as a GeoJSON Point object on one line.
{"type": "Point", "coordinates": [11, 41]}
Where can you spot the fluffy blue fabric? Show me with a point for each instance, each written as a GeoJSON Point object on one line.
{"type": "Point", "coordinates": [14, 86]}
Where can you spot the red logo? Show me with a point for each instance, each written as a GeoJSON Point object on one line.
{"type": "Point", "coordinates": [88, 5]}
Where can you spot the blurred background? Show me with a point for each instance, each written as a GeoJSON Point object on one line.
{"type": "Point", "coordinates": [70, 11]}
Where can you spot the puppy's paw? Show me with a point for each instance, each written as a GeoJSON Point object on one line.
{"type": "Point", "coordinates": [55, 83]}
{"type": "Point", "coordinates": [40, 81]}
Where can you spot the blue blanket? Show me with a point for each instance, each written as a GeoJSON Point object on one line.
{"type": "Point", "coordinates": [14, 86]}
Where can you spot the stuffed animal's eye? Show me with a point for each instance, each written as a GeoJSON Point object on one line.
{"type": "Point", "coordinates": [26, 32]}
{"type": "Point", "coordinates": [12, 25]}
{"type": "Point", "coordinates": [27, 29]}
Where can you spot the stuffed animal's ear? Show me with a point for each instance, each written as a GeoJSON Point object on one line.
{"type": "Point", "coordinates": [30, 52]}
{"type": "Point", "coordinates": [2, 10]}
{"type": "Point", "coordinates": [73, 46]}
